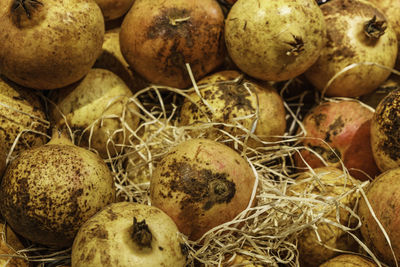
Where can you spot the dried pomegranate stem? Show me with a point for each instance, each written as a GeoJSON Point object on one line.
{"type": "Point", "coordinates": [375, 29]}
{"type": "Point", "coordinates": [27, 5]}
{"type": "Point", "coordinates": [141, 233]}
{"type": "Point", "coordinates": [297, 46]}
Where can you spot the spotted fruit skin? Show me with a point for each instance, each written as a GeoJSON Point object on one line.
{"type": "Point", "coordinates": [100, 118]}
{"type": "Point", "coordinates": [385, 132]}
{"type": "Point", "coordinates": [384, 199]}
{"type": "Point", "coordinates": [274, 40]}
{"type": "Point", "coordinates": [348, 44]}
{"type": "Point", "coordinates": [55, 46]}
{"type": "Point", "coordinates": [159, 37]}
{"type": "Point", "coordinates": [22, 116]}
{"type": "Point", "coordinates": [339, 131]}
{"type": "Point", "coordinates": [106, 239]}
{"type": "Point", "coordinates": [391, 9]}
{"type": "Point", "coordinates": [201, 184]}
{"type": "Point", "coordinates": [236, 100]}
{"type": "Point", "coordinates": [48, 192]}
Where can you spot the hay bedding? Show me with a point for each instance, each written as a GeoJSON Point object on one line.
{"type": "Point", "coordinates": [267, 233]}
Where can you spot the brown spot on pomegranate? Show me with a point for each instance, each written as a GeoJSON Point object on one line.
{"type": "Point", "coordinates": [334, 129]}
{"type": "Point", "coordinates": [390, 124]}
{"type": "Point", "coordinates": [201, 185]}
{"type": "Point", "coordinates": [318, 119]}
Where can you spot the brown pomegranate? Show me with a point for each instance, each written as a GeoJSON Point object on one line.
{"type": "Point", "coordinates": [48, 44]}
{"type": "Point", "coordinates": [391, 9]}
{"type": "Point", "coordinates": [345, 127]}
{"type": "Point", "coordinates": [159, 37]}
{"type": "Point", "coordinates": [384, 200]}
{"type": "Point", "coordinates": [201, 184]}
{"type": "Point", "coordinates": [359, 34]}
{"type": "Point", "coordinates": [234, 100]}
{"type": "Point", "coordinates": [385, 132]}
